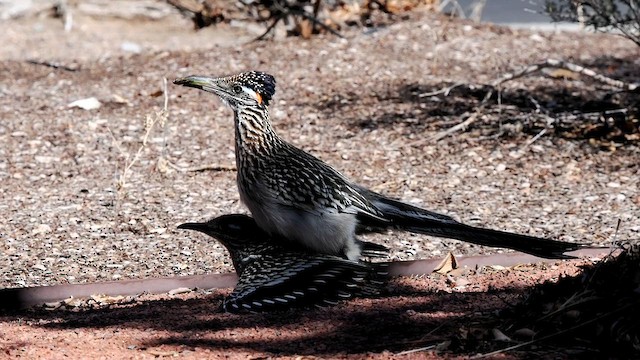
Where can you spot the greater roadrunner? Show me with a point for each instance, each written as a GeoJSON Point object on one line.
{"type": "Point", "coordinates": [275, 274]}
{"type": "Point", "coordinates": [294, 194]}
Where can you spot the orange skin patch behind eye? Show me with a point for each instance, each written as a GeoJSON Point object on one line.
{"type": "Point", "coordinates": [259, 98]}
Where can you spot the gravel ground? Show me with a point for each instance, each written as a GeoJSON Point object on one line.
{"type": "Point", "coordinates": [94, 195]}
{"type": "Point", "coordinates": [84, 199]}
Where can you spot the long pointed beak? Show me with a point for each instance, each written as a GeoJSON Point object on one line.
{"type": "Point", "coordinates": [198, 82]}
{"type": "Point", "coordinates": [207, 229]}
{"type": "Point", "coordinates": [202, 227]}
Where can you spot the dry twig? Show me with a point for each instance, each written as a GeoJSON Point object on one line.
{"type": "Point", "coordinates": [441, 135]}
{"type": "Point", "coordinates": [200, 168]}
{"type": "Point", "coordinates": [52, 65]}
{"type": "Point", "coordinates": [549, 63]}
{"type": "Point", "coordinates": [550, 336]}
{"type": "Point", "coordinates": [561, 64]}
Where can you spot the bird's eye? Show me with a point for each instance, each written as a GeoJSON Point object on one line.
{"type": "Point", "coordinates": [237, 89]}
{"type": "Point", "coordinates": [234, 227]}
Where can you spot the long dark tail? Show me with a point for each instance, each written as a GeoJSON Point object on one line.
{"type": "Point", "coordinates": [414, 219]}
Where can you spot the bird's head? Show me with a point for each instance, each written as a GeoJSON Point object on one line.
{"type": "Point", "coordinates": [236, 232]}
{"type": "Point", "coordinates": [247, 89]}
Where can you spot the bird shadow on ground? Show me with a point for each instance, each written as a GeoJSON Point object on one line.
{"type": "Point", "coordinates": [404, 318]}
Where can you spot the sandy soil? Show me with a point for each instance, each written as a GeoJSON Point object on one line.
{"type": "Point", "coordinates": [76, 212]}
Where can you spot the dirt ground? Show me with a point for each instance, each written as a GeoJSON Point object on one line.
{"type": "Point", "coordinates": [433, 312]}
{"type": "Point", "coordinates": [85, 199]}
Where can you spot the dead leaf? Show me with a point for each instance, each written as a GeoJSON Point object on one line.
{"type": "Point", "coordinates": [443, 346]}
{"type": "Point", "coordinates": [499, 335]}
{"type": "Point", "coordinates": [306, 29]}
{"type": "Point", "coordinates": [448, 263]}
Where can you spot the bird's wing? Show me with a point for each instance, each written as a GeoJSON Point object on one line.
{"type": "Point", "coordinates": [312, 185]}
{"type": "Point", "coordinates": [282, 281]}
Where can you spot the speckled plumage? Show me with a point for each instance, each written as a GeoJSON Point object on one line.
{"type": "Point", "coordinates": [277, 275]}
{"type": "Point", "coordinates": [297, 196]}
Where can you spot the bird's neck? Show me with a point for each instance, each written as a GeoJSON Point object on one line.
{"type": "Point", "coordinates": [254, 132]}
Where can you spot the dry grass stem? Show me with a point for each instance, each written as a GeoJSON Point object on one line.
{"type": "Point", "coordinates": [150, 122]}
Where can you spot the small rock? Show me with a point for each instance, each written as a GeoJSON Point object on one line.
{"type": "Point", "coordinates": [158, 231]}
{"type": "Point", "coordinates": [128, 46]}
{"type": "Point", "coordinates": [462, 282]}
{"type": "Point", "coordinates": [573, 314]}
{"type": "Point", "coordinates": [41, 229]}
{"type": "Point", "coordinates": [524, 333]}
{"type": "Point", "coordinates": [45, 159]}
{"type": "Point", "coordinates": [86, 104]}
{"type": "Point", "coordinates": [181, 290]}
{"type": "Point", "coordinates": [53, 305]}
{"type": "Point", "coordinates": [537, 37]}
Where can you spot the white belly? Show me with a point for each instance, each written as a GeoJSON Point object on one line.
{"type": "Point", "coordinates": [325, 232]}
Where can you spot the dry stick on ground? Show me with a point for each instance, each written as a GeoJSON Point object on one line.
{"type": "Point", "coordinates": [561, 64]}
{"type": "Point", "coordinates": [428, 347]}
{"type": "Point", "coordinates": [52, 65]}
{"type": "Point", "coordinates": [444, 91]}
{"type": "Point", "coordinates": [201, 168]}
{"type": "Point", "coordinates": [465, 123]}
{"type": "Point", "coordinates": [549, 63]}
{"type": "Point", "coordinates": [524, 147]}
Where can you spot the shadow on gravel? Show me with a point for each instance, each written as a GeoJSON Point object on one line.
{"type": "Point", "coordinates": [573, 107]}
